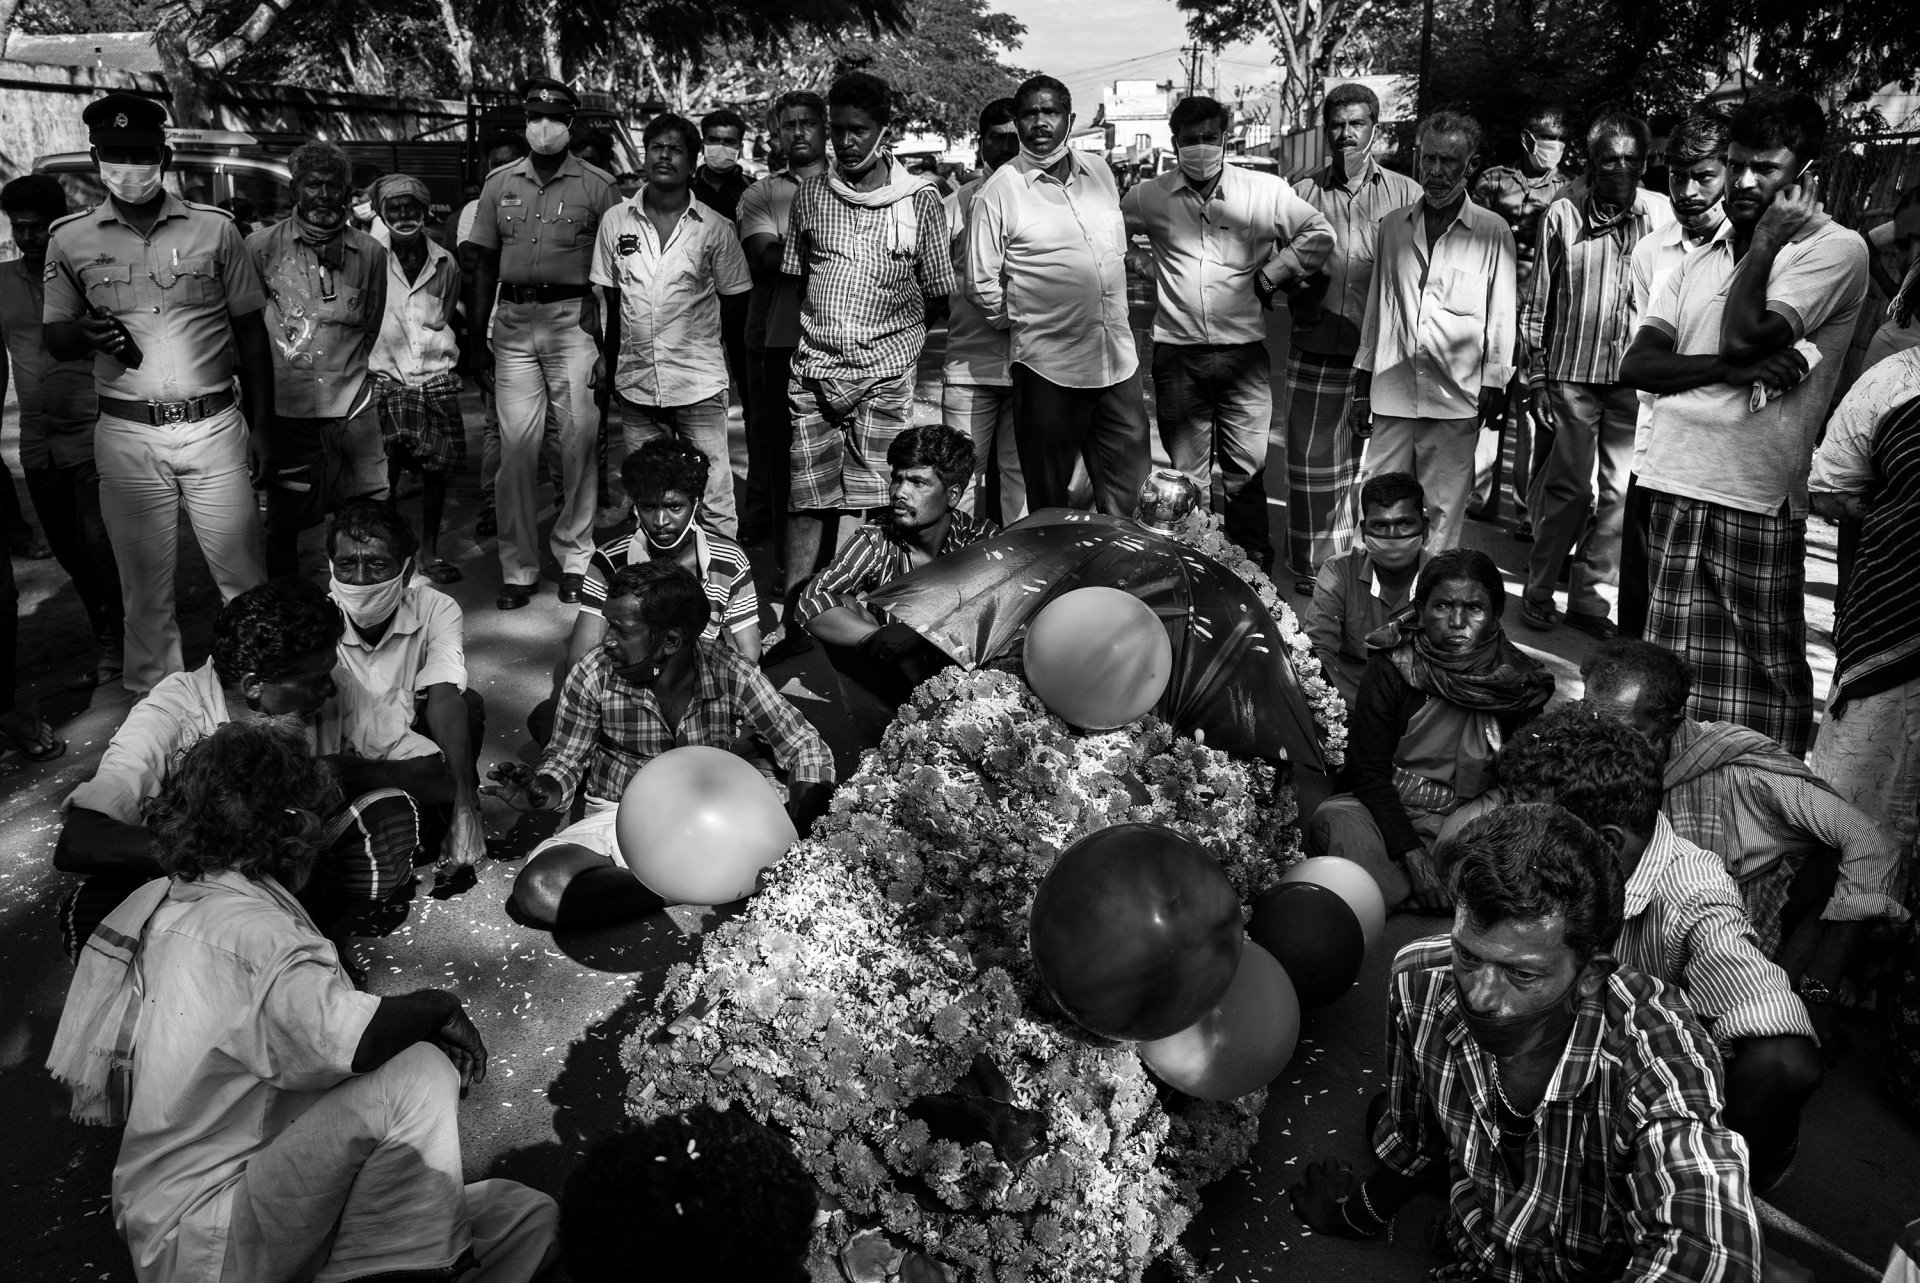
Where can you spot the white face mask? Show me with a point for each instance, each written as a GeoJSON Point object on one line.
{"type": "Point", "coordinates": [1546, 151]}
{"type": "Point", "coordinates": [1047, 160]}
{"type": "Point", "coordinates": [405, 231]}
{"type": "Point", "coordinates": [547, 136]}
{"type": "Point", "coordinates": [370, 604]}
{"type": "Point", "coordinates": [1201, 161]}
{"type": "Point", "coordinates": [363, 211]}
{"type": "Point", "coordinates": [866, 162]}
{"type": "Point", "coordinates": [722, 157]}
{"type": "Point", "coordinates": [132, 184]}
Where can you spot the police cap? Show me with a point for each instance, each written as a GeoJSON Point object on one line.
{"type": "Point", "coordinates": [544, 97]}
{"type": "Point", "coordinates": [125, 120]}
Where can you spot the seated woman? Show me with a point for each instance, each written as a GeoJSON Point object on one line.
{"type": "Point", "coordinates": [1443, 688]}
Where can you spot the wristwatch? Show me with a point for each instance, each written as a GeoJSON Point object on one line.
{"type": "Point", "coordinates": [1814, 992]}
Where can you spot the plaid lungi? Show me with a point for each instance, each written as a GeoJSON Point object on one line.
{"type": "Point", "coordinates": [1323, 461]}
{"type": "Point", "coordinates": [1766, 894]}
{"type": "Point", "coordinates": [421, 423]}
{"type": "Point", "coordinates": [841, 431]}
{"type": "Point", "coordinates": [1729, 593]}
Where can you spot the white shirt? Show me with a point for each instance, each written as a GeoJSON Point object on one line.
{"type": "Point", "coordinates": [416, 342]}
{"type": "Point", "coordinates": [1708, 443]}
{"type": "Point", "coordinates": [424, 645]}
{"type": "Point", "coordinates": [1206, 252]}
{"type": "Point", "coordinates": [1440, 323]}
{"type": "Point", "coordinates": [247, 1019]}
{"type": "Point", "coordinates": [1655, 257]}
{"type": "Point", "coordinates": [976, 351]}
{"type": "Point", "coordinates": [176, 714]}
{"type": "Point", "coordinates": [1046, 261]}
{"type": "Point", "coordinates": [670, 352]}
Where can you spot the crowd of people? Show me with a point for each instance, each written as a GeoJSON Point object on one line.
{"type": "Point", "coordinates": [1660, 892]}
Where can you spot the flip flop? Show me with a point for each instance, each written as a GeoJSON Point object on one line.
{"type": "Point", "coordinates": [441, 571]}
{"type": "Point", "coordinates": [42, 746]}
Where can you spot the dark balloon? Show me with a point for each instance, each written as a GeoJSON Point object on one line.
{"type": "Point", "coordinates": [1315, 936]}
{"type": "Point", "coordinates": [1136, 932]}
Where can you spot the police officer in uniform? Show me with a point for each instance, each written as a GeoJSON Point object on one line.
{"type": "Point", "coordinates": [164, 297]}
{"type": "Point", "coordinates": [534, 231]}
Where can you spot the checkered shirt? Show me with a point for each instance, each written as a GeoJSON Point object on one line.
{"type": "Point", "coordinates": [871, 560]}
{"type": "Point", "coordinates": [606, 728]}
{"type": "Point", "coordinates": [867, 274]}
{"type": "Point", "coordinates": [1630, 1172]}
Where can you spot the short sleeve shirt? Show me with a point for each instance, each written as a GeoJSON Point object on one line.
{"type": "Point", "coordinates": [424, 646]}
{"type": "Point", "coordinates": [764, 210]}
{"type": "Point", "coordinates": [869, 271]}
{"type": "Point", "coordinates": [725, 575]}
{"type": "Point", "coordinates": [179, 710]}
{"type": "Point", "coordinates": [57, 404]}
{"type": "Point", "coordinates": [1708, 443]}
{"type": "Point", "coordinates": [1355, 211]}
{"type": "Point", "coordinates": [670, 349]}
{"type": "Point", "coordinates": [544, 231]}
{"type": "Point", "coordinates": [318, 320]}
{"type": "Point", "coordinates": [174, 289]}
{"type": "Point", "coordinates": [976, 352]}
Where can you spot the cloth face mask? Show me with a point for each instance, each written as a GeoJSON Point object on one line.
{"type": "Point", "coordinates": [134, 184]}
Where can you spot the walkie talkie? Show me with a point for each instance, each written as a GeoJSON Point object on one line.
{"type": "Point", "coordinates": [131, 355]}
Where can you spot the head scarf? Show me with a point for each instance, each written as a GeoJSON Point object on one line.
{"type": "Point", "coordinates": [1495, 676]}
{"type": "Point", "coordinates": [399, 185]}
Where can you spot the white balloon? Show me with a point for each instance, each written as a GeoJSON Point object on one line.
{"type": "Point", "coordinates": [697, 824]}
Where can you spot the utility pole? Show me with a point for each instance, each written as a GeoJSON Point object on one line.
{"type": "Point", "coordinates": [1194, 56]}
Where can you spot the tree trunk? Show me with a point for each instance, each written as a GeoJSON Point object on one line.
{"type": "Point", "coordinates": [187, 83]}
{"type": "Point", "coordinates": [7, 8]}
{"type": "Point", "coordinates": [459, 46]}
{"type": "Point", "coordinates": [225, 53]}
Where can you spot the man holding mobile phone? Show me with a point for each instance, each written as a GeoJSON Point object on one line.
{"type": "Point", "coordinates": [1728, 481]}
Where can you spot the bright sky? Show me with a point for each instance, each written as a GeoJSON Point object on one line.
{"type": "Point", "coordinates": [1089, 46]}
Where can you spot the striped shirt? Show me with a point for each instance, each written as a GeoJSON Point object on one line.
{"type": "Point", "coordinates": [606, 728]}
{"type": "Point", "coordinates": [1578, 312]}
{"type": "Point", "coordinates": [1687, 924]}
{"type": "Point", "coordinates": [867, 272]}
{"type": "Point", "coordinates": [1629, 1173]}
{"type": "Point", "coordinates": [725, 575]}
{"type": "Point", "coordinates": [872, 558]}
{"type": "Point", "coordinates": [1355, 212]}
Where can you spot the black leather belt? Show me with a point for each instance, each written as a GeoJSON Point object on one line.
{"type": "Point", "coordinates": [162, 413]}
{"type": "Point", "coordinates": [541, 293]}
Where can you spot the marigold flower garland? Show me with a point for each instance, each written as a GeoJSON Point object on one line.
{"type": "Point", "coordinates": [888, 949]}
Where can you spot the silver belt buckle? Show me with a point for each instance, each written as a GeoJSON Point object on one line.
{"type": "Point", "coordinates": [172, 411]}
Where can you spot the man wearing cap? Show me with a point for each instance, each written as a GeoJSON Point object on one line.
{"type": "Point", "coordinates": [162, 293]}
{"type": "Point", "coordinates": [535, 232]}
{"type": "Point", "coordinates": [326, 283]}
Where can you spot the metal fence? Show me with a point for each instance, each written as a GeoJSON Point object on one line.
{"type": "Point", "coordinates": [1866, 175]}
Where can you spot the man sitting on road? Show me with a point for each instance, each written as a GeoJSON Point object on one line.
{"type": "Point", "coordinates": [1775, 823]}
{"type": "Point", "coordinates": [1685, 922]}
{"type": "Point", "coordinates": [662, 482]}
{"type": "Point", "coordinates": [279, 1124]}
{"type": "Point", "coordinates": [402, 677]}
{"type": "Point", "coordinates": [879, 663]}
{"type": "Point", "coordinates": [1357, 590]}
{"type": "Point", "coordinates": [274, 653]}
{"type": "Point", "coordinates": [1575, 1108]}
{"type": "Point", "coordinates": [655, 685]}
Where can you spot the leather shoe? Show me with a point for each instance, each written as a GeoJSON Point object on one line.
{"type": "Point", "coordinates": [514, 596]}
{"type": "Point", "coordinates": [1538, 614]}
{"type": "Point", "coordinates": [1597, 626]}
{"type": "Point", "coordinates": [570, 586]}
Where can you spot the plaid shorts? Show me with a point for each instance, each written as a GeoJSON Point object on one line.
{"type": "Point", "coordinates": [421, 424]}
{"type": "Point", "coordinates": [1729, 593]}
{"type": "Point", "coordinates": [841, 431]}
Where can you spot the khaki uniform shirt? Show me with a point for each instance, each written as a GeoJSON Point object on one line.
{"type": "Point", "coordinates": [173, 289]}
{"type": "Point", "coordinates": [544, 231]}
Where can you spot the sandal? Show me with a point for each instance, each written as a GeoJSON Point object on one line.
{"type": "Point", "coordinates": [42, 746]}
{"type": "Point", "coordinates": [442, 571]}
